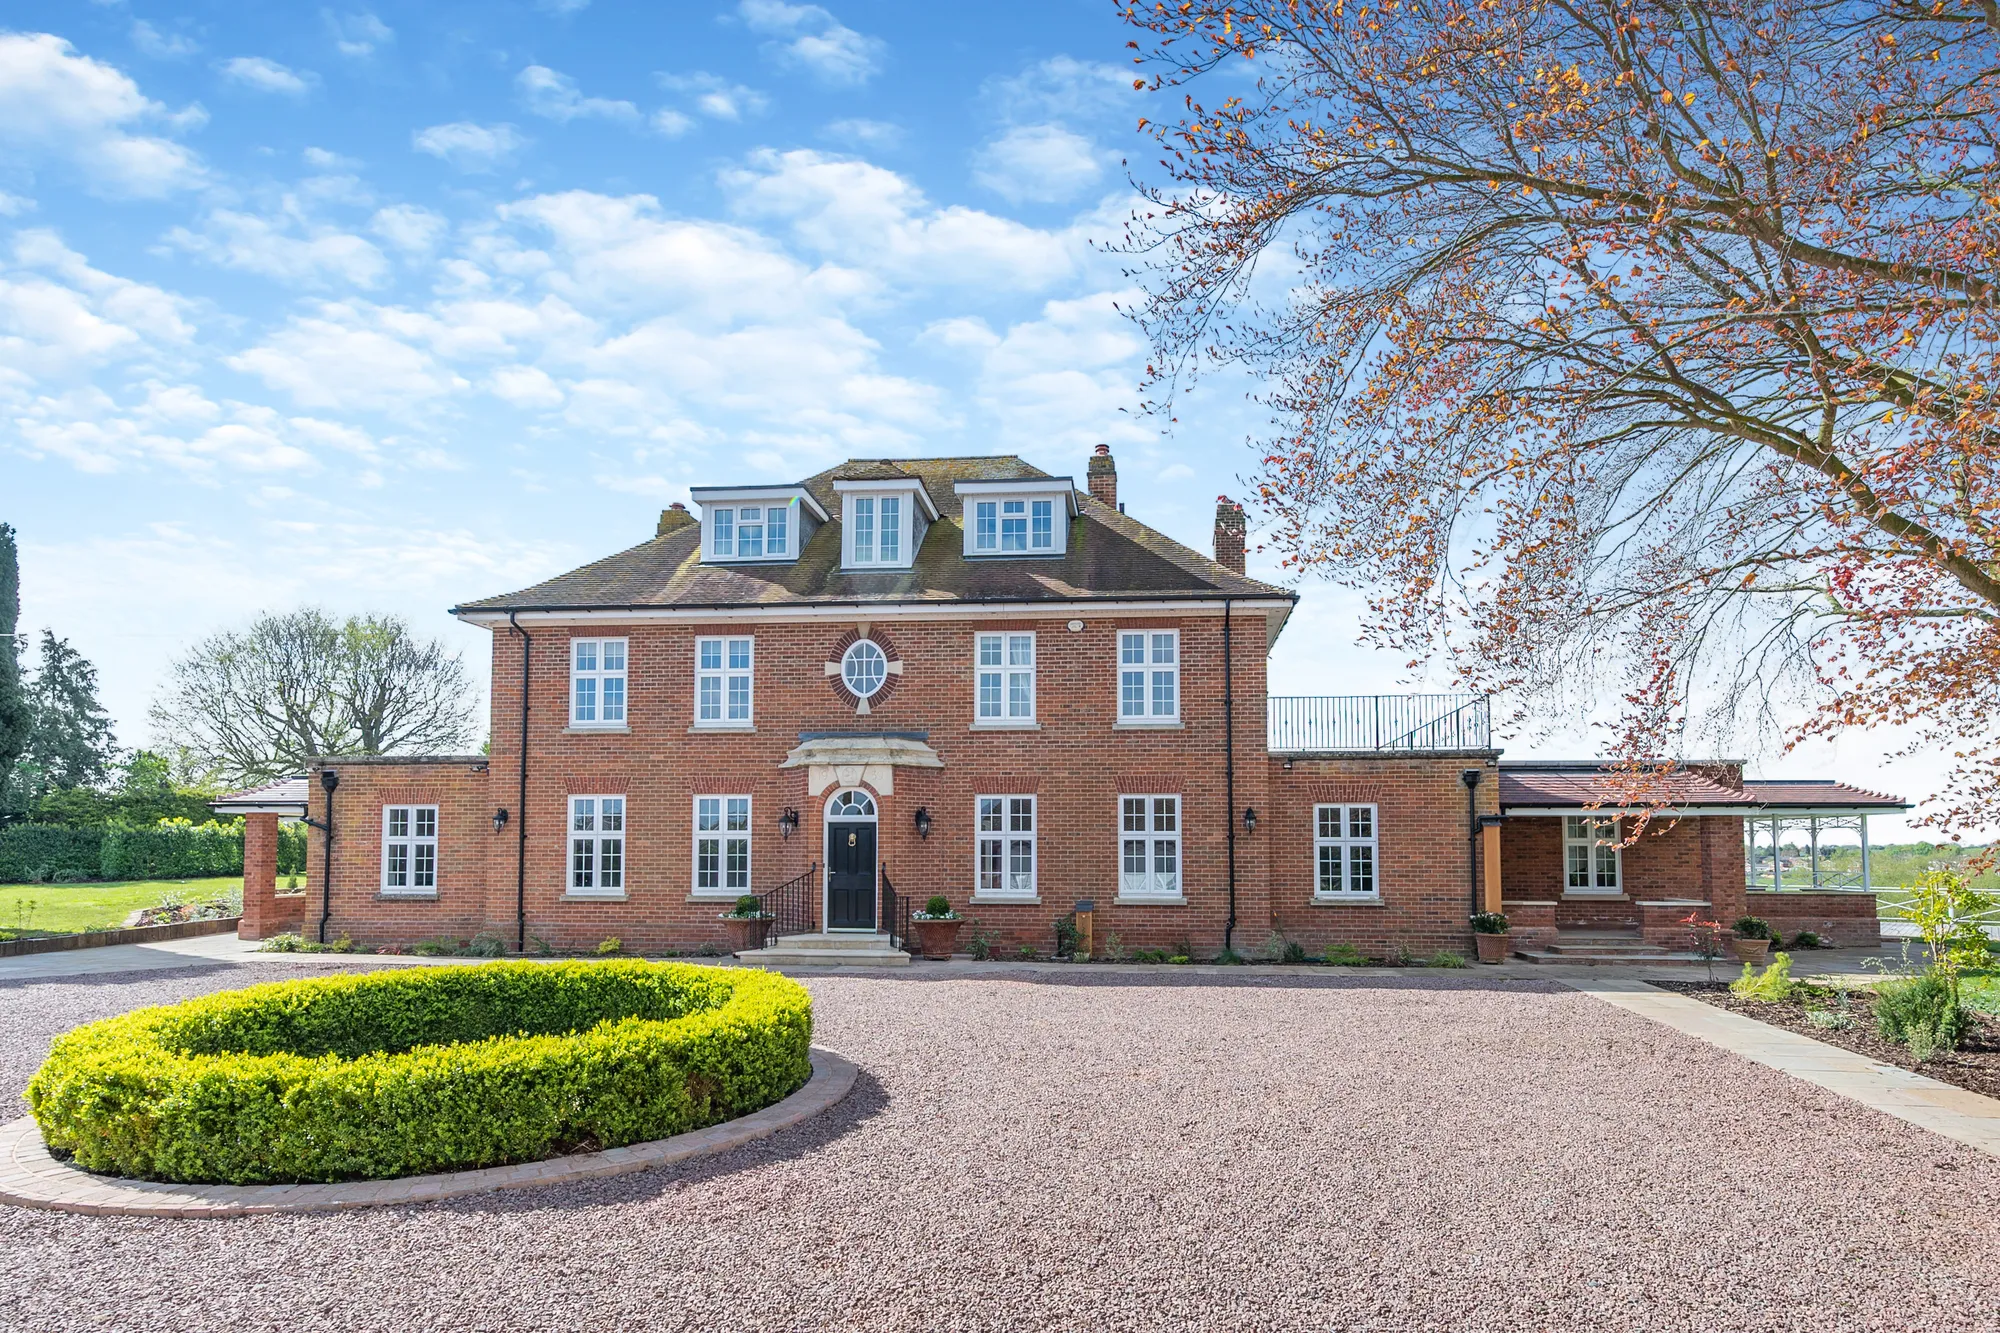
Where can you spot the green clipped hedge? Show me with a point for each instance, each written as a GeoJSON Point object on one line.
{"type": "Point", "coordinates": [49, 854]}
{"type": "Point", "coordinates": [173, 849]}
{"type": "Point", "coordinates": [420, 1070]}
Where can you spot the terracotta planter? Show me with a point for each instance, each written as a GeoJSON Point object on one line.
{"type": "Point", "coordinates": [1493, 948]}
{"type": "Point", "coordinates": [1751, 951]}
{"type": "Point", "coordinates": [747, 932]}
{"type": "Point", "coordinates": [937, 939]}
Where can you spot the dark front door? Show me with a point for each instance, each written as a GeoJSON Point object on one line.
{"type": "Point", "coordinates": [850, 877]}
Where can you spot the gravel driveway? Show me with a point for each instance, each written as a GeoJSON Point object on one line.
{"type": "Point", "coordinates": [1160, 1150]}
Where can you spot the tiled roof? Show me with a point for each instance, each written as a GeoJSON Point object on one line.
{"type": "Point", "coordinates": [1577, 785]}
{"type": "Point", "coordinates": [1109, 556]}
{"type": "Point", "coordinates": [285, 791]}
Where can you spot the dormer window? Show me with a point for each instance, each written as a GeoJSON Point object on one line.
{"type": "Point", "coordinates": [884, 522]}
{"type": "Point", "coordinates": [878, 530]}
{"type": "Point", "coordinates": [1028, 516]}
{"type": "Point", "coordinates": [756, 523]}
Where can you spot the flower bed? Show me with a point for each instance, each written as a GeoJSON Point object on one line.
{"type": "Point", "coordinates": [434, 1069]}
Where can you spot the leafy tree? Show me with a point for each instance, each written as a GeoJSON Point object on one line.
{"type": "Point", "coordinates": [16, 714]}
{"type": "Point", "coordinates": [1625, 348]}
{"type": "Point", "coordinates": [254, 705]}
{"type": "Point", "coordinates": [148, 789]}
{"type": "Point", "coordinates": [71, 743]}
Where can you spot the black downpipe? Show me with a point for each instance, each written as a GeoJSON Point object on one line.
{"type": "Point", "coordinates": [1470, 777]}
{"type": "Point", "coordinates": [1229, 766]}
{"type": "Point", "coordinates": [521, 801]}
{"type": "Point", "coordinates": [328, 780]}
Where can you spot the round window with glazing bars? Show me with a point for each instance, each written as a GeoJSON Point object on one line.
{"type": "Point", "coordinates": [863, 667]}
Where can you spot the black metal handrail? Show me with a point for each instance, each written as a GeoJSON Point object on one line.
{"type": "Point", "coordinates": [1302, 724]}
{"type": "Point", "coordinates": [896, 909]}
{"type": "Point", "coordinates": [794, 904]}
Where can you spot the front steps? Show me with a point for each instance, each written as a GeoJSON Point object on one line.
{"type": "Point", "coordinates": [837, 949]}
{"type": "Point", "coordinates": [1604, 948]}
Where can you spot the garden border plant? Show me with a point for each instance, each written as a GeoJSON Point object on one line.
{"type": "Point", "coordinates": [389, 1074]}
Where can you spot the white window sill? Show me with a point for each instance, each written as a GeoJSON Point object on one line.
{"type": "Point", "coordinates": [1149, 900]}
{"type": "Point", "coordinates": [716, 895]}
{"type": "Point", "coordinates": [420, 895]}
{"type": "Point", "coordinates": [1024, 725]}
{"type": "Point", "coordinates": [978, 901]}
{"type": "Point", "coordinates": [748, 728]}
{"type": "Point", "coordinates": [594, 896]}
{"type": "Point", "coordinates": [1146, 724]}
{"type": "Point", "coordinates": [609, 728]}
{"type": "Point", "coordinates": [1586, 896]}
{"type": "Point", "coordinates": [1347, 900]}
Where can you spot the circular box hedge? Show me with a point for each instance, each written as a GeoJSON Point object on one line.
{"type": "Point", "coordinates": [420, 1070]}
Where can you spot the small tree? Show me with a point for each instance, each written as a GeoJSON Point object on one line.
{"type": "Point", "coordinates": [71, 743]}
{"type": "Point", "coordinates": [16, 714]}
{"type": "Point", "coordinates": [1948, 914]}
{"type": "Point", "coordinates": [257, 704]}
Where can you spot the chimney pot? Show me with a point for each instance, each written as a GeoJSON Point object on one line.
{"type": "Point", "coordinates": [1102, 477]}
{"type": "Point", "coordinates": [1229, 534]}
{"type": "Point", "coordinates": [673, 518]}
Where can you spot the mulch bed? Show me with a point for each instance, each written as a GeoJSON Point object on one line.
{"type": "Point", "coordinates": [1974, 1066]}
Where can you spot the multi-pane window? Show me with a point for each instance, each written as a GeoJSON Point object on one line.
{"type": "Point", "coordinates": [597, 682]}
{"type": "Point", "coordinates": [1590, 854]}
{"type": "Point", "coordinates": [750, 533]}
{"type": "Point", "coordinates": [877, 522]}
{"type": "Point", "coordinates": [1013, 525]}
{"type": "Point", "coordinates": [409, 848]}
{"type": "Point", "coordinates": [1149, 846]}
{"type": "Point", "coordinates": [1149, 675]}
{"type": "Point", "coordinates": [722, 844]}
{"type": "Point", "coordinates": [597, 844]}
{"type": "Point", "coordinates": [1006, 677]}
{"type": "Point", "coordinates": [722, 677]}
{"type": "Point", "coordinates": [1006, 846]}
{"type": "Point", "coordinates": [1344, 851]}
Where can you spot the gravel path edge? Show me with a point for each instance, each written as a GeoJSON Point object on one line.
{"type": "Point", "coordinates": [31, 1178]}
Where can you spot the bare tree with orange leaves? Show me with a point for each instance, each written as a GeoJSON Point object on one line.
{"type": "Point", "coordinates": [1639, 350]}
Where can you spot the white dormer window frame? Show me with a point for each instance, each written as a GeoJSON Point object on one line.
{"type": "Point", "coordinates": [882, 523]}
{"type": "Point", "coordinates": [755, 525]}
{"type": "Point", "coordinates": [1016, 519]}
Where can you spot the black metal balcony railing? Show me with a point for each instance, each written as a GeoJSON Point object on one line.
{"type": "Point", "coordinates": [1311, 723]}
{"type": "Point", "coordinates": [795, 904]}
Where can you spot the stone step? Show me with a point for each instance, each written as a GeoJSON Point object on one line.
{"type": "Point", "coordinates": [1625, 959]}
{"type": "Point", "coordinates": [828, 950]}
{"type": "Point", "coordinates": [1636, 947]}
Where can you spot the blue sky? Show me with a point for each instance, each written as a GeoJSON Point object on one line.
{"type": "Point", "coordinates": [387, 308]}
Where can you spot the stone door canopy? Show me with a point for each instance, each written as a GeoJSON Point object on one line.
{"type": "Point", "coordinates": [861, 758]}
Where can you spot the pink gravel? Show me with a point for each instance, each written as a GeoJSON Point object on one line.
{"type": "Point", "coordinates": [1130, 1150]}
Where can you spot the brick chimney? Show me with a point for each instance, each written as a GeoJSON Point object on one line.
{"type": "Point", "coordinates": [673, 518]}
{"type": "Point", "coordinates": [1229, 534]}
{"type": "Point", "coordinates": [1104, 477]}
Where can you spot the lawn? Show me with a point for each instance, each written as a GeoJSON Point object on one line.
{"type": "Point", "coordinates": [62, 909]}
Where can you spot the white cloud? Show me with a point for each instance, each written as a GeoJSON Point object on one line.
{"type": "Point", "coordinates": [58, 106]}
{"type": "Point", "coordinates": [150, 41]}
{"type": "Point", "coordinates": [1059, 88]}
{"type": "Point", "coordinates": [670, 123]}
{"type": "Point", "coordinates": [13, 205]}
{"type": "Point", "coordinates": [1064, 381]}
{"type": "Point", "coordinates": [555, 96]}
{"type": "Point", "coordinates": [265, 76]}
{"type": "Point", "coordinates": [562, 8]}
{"type": "Point", "coordinates": [286, 246]}
{"type": "Point", "coordinates": [865, 133]}
{"type": "Point", "coordinates": [322, 159]}
{"type": "Point", "coordinates": [808, 36]}
{"type": "Point", "coordinates": [468, 146]}
{"type": "Point", "coordinates": [412, 229]}
{"type": "Point", "coordinates": [874, 219]}
{"type": "Point", "coordinates": [357, 35]}
{"type": "Point", "coordinates": [1039, 164]}
{"type": "Point", "coordinates": [62, 319]}
{"type": "Point", "coordinates": [716, 97]}
{"type": "Point", "coordinates": [525, 386]}
{"type": "Point", "coordinates": [342, 356]}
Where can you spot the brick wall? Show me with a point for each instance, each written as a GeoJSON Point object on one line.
{"type": "Point", "coordinates": [468, 853]}
{"type": "Point", "coordinates": [1699, 858]}
{"type": "Point", "coordinates": [1423, 868]}
{"type": "Point", "coordinates": [1843, 920]}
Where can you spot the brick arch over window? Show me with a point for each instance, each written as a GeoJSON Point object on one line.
{"type": "Point", "coordinates": [889, 682]}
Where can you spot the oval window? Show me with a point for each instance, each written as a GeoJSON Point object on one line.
{"type": "Point", "coordinates": [863, 667]}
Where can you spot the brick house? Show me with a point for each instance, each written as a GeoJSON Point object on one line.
{"type": "Point", "coordinates": [957, 676]}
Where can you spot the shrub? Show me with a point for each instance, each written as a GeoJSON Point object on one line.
{"type": "Point", "coordinates": [173, 849]}
{"type": "Point", "coordinates": [1345, 955]}
{"type": "Point", "coordinates": [1807, 939]}
{"type": "Point", "coordinates": [49, 853]}
{"type": "Point", "coordinates": [610, 945]}
{"type": "Point", "coordinates": [938, 907]}
{"type": "Point", "coordinates": [747, 905]}
{"type": "Point", "coordinates": [1445, 958]}
{"type": "Point", "coordinates": [1489, 923]}
{"type": "Point", "coordinates": [424, 1069]}
{"type": "Point", "coordinates": [1774, 983]}
{"type": "Point", "coordinates": [1922, 1013]}
{"type": "Point", "coordinates": [1293, 952]}
{"type": "Point", "coordinates": [980, 946]}
{"type": "Point", "coordinates": [1752, 928]}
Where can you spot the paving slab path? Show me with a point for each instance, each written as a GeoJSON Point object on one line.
{"type": "Point", "coordinates": [1162, 1149]}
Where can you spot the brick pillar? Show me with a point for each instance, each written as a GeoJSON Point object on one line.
{"type": "Point", "coordinates": [1103, 477]}
{"type": "Point", "coordinates": [260, 876]}
{"type": "Point", "coordinates": [1228, 534]}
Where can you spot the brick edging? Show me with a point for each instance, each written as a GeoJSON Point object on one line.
{"type": "Point", "coordinates": [30, 1178]}
{"type": "Point", "coordinates": [97, 939]}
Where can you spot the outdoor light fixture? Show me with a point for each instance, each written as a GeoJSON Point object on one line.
{"type": "Point", "coordinates": [500, 820]}
{"type": "Point", "coordinates": [788, 822]}
{"type": "Point", "coordinates": [923, 822]}
{"type": "Point", "coordinates": [1249, 819]}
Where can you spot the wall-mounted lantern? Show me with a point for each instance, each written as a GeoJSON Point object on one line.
{"type": "Point", "coordinates": [500, 820]}
{"type": "Point", "coordinates": [788, 822]}
{"type": "Point", "coordinates": [923, 822]}
{"type": "Point", "coordinates": [1249, 819]}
